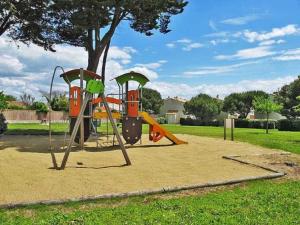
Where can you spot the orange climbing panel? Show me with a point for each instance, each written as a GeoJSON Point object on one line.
{"type": "Point", "coordinates": [75, 101]}
{"type": "Point", "coordinates": [133, 104]}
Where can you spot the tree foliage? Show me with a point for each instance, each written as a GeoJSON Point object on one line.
{"type": "Point", "coordinates": [27, 99]}
{"type": "Point", "coordinates": [40, 107]}
{"type": "Point", "coordinates": [287, 96]}
{"type": "Point", "coordinates": [25, 21]}
{"type": "Point", "coordinates": [241, 103]}
{"type": "Point", "coordinates": [3, 101]}
{"type": "Point", "coordinates": [203, 107]}
{"type": "Point", "coordinates": [151, 100]}
{"type": "Point", "coordinates": [266, 105]}
{"type": "Point", "coordinates": [92, 23]}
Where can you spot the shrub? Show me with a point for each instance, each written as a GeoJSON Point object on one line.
{"type": "Point", "coordinates": [257, 124]}
{"type": "Point", "coordinates": [40, 107]}
{"type": "Point", "coordinates": [239, 123]}
{"type": "Point", "coordinates": [161, 120]}
{"type": "Point", "coordinates": [196, 122]}
{"type": "Point", "coordinates": [289, 125]}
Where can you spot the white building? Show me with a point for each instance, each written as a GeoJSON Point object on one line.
{"type": "Point", "coordinates": [173, 109]}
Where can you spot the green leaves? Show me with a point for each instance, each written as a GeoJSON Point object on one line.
{"type": "Point", "coordinates": [151, 100]}
{"type": "Point", "coordinates": [266, 105]}
{"type": "Point", "coordinates": [241, 103]}
{"type": "Point", "coordinates": [3, 101]}
{"type": "Point", "coordinates": [203, 107]}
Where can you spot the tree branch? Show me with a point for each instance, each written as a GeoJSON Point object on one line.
{"type": "Point", "coordinates": [5, 24]}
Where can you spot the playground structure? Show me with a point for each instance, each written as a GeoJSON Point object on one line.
{"type": "Point", "coordinates": [88, 98]}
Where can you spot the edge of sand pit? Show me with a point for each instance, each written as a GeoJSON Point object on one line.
{"type": "Point", "coordinates": [145, 192]}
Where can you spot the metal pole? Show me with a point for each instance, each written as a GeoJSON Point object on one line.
{"type": "Point", "coordinates": [82, 120]}
{"type": "Point", "coordinates": [225, 129]}
{"type": "Point", "coordinates": [232, 124]}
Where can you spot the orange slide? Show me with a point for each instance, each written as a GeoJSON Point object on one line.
{"type": "Point", "coordinates": [157, 132]}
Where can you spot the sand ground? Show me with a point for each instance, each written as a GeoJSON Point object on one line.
{"type": "Point", "coordinates": [26, 172]}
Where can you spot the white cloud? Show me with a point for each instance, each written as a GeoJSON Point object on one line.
{"type": "Point", "coordinates": [218, 34]}
{"type": "Point", "coordinates": [191, 46]}
{"type": "Point", "coordinates": [212, 25]}
{"type": "Point", "coordinates": [219, 41]}
{"type": "Point", "coordinates": [289, 55]}
{"type": "Point", "coordinates": [250, 53]}
{"type": "Point", "coordinates": [186, 44]}
{"type": "Point", "coordinates": [154, 65]}
{"type": "Point", "coordinates": [184, 41]}
{"type": "Point", "coordinates": [253, 36]}
{"type": "Point", "coordinates": [188, 91]}
{"type": "Point", "coordinates": [10, 63]}
{"type": "Point", "coordinates": [31, 67]}
{"type": "Point", "coordinates": [271, 42]}
{"type": "Point", "coordinates": [170, 45]}
{"type": "Point", "coordinates": [241, 20]}
{"type": "Point", "coordinates": [216, 69]}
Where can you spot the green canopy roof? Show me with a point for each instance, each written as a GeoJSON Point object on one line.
{"type": "Point", "coordinates": [75, 74]}
{"type": "Point", "coordinates": [140, 78]}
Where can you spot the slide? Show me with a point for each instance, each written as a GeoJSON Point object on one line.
{"type": "Point", "coordinates": [156, 131]}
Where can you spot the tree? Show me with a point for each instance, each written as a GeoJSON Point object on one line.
{"type": "Point", "coordinates": [59, 100]}
{"type": "Point", "coordinates": [25, 21]}
{"type": "Point", "coordinates": [151, 100]}
{"type": "Point", "coordinates": [80, 23]}
{"type": "Point", "coordinates": [3, 101]}
{"type": "Point", "coordinates": [203, 107]}
{"type": "Point", "coordinates": [241, 103]}
{"type": "Point", "coordinates": [3, 105]}
{"type": "Point", "coordinates": [287, 96]}
{"type": "Point", "coordinates": [266, 106]}
{"type": "Point", "coordinates": [27, 99]}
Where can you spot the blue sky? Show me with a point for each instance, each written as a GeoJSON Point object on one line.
{"type": "Point", "coordinates": [215, 47]}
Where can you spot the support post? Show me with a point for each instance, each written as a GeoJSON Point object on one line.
{"type": "Point", "coordinates": [82, 120]}
{"type": "Point", "coordinates": [115, 129]}
{"type": "Point", "coordinates": [75, 130]}
{"type": "Point", "coordinates": [225, 129]}
{"type": "Point", "coordinates": [232, 127]}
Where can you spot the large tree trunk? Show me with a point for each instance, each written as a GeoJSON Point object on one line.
{"type": "Point", "coordinates": [94, 55]}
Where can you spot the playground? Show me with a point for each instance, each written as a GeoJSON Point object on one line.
{"type": "Point", "coordinates": [85, 164]}
{"type": "Point", "coordinates": [27, 174]}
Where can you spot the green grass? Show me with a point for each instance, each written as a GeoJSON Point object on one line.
{"type": "Point", "coordinates": [288, 141]}
{"type": "Point", "coordinates": [260, 202]}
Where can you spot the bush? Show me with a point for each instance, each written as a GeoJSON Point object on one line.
{"type": "Point", "coordinates": [257, 124]}
{"type": "Point", "coordinates": [239, 123]}
{"type": "Point", "coordinates": [40, 107]}
{"type": "Point", "coordinates": [161, 120]}
{"type": "Point", "coordinates": [289, 125]}
{"type": "Point", "coordinates": [191, 122]}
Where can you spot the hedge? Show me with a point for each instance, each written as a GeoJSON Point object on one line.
{"type": "Point", "coordinates": [195, 122]}
{"type": "Point", "coordinates": [258, 124]}
{"type": "Point", "coordinates": [239, 123]}
{"type": "Point", "coordinates": [289, 125]}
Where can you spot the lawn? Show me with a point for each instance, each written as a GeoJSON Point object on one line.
{"type": "Point", "coordinates": [288, 141]}
{"type": "Point", "coordinates": [260, 202]}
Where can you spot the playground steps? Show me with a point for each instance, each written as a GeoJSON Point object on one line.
{"type": "Point", "coordinates": [157, 127]}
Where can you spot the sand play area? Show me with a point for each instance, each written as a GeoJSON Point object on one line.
{"type": "Point", "coordinates": [27, 175]}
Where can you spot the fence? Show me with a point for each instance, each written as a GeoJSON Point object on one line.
{"type": "Point", "coordinates": [23, 116]}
